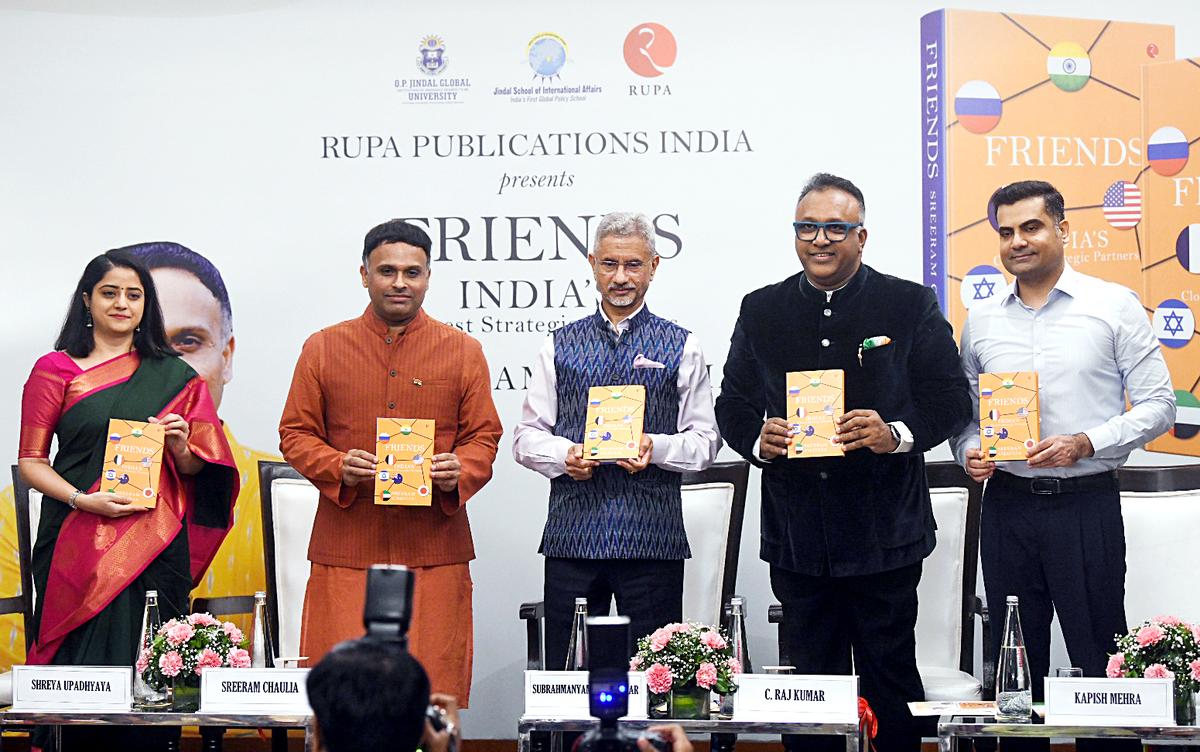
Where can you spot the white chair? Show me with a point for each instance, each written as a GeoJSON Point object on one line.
{"type": "Point", "coordinates": [714, 503]}
{"type": "Point", "coordinates": [28, 514]}
{"type": "Point", "coordinates": [1161, 509]}
{"type": "Point", "coordinates": [289, 506]}
{"type": "Point", "coordinates": [947, 603]}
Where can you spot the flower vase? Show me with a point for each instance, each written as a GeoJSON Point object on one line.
{"type": "Point", "coordinates": [1185, 708]}
{"type": "Point", "coordinates": [689, 703]}
{"type": "Point", "coordinates": [185, 694]}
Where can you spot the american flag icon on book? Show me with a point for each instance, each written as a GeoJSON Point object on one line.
{"type": "Point", "coordinates": [1123, 205]}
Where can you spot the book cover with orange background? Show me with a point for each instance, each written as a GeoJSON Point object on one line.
{"type": "Point", "coordinates": [404, 462]}
{"type": "Point", "coordinates": [1008, 415]}
{"type": "Point", "coordinates": [1008, 97]}
{"type": "Point", "coordinates": [1171, 184]}
{"type": "Point", "coordinates": [133, 458]}
{"type": "Point", "coordinates": [614, 422]}
{"type": "Point", "coordinates": [815, 399]}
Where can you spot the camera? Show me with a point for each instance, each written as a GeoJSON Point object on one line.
{"type": "Point", "coordinates": [387, 615]}
{"type": "Point", "coordinates": [609, 647]}
{"type": "Point", "coordinates": [388, 610]}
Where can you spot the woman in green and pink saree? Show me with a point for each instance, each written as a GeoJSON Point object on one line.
{"type": "Point", "coordinates": [96, 554]}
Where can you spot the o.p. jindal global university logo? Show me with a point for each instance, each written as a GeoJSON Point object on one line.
{"type": "Point", "coordinates": [431, 87]}
{"type": "Point", "coordinates": [432, 57]}
{"type": "Point", "coordinates": [649, 51]}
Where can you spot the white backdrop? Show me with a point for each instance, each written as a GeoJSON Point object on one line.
{"type": "Point", "coordinates": [204, 123]}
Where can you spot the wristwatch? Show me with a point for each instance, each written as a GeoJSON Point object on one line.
{"type": "Point", "coordinates": [895, 434]}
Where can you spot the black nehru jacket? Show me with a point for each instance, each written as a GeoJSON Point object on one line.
{"type": "Point", "coordinates": [865, 512]}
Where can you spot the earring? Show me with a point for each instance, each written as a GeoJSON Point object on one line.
{"type": "Point", "coordinates": [137, 329]}
{"type": "Point", "coordinates": [88, 320]}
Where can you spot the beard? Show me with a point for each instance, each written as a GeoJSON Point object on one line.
{"type": "Point", "coordinates": [621, 298]}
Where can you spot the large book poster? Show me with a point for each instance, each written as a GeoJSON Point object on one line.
{"type": "Point", "coordinates": [1009, 97]}
{"type": "Point", "coordinates": [1171, 187]}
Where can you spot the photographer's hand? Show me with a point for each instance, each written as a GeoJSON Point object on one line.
{"type": "Point", "coordinates": [446, 740]}
{"type": "Point", "coordinates": [672, 733]}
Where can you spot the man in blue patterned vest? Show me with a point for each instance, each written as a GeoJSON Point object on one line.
{"type": "Point", "coordinates": [617, 529]}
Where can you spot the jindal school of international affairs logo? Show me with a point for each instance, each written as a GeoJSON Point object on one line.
{"type": "Point", "coordinates": [431, 55]}
{"type": "Point", "coordinates": [547, 55]}
{"type": "Point", "coordinates": [432, 87]}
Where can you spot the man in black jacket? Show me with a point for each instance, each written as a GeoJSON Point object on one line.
{"type": "Point", "coordinates": [845, 536]}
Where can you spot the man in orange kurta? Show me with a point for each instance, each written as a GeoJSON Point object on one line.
{"type": "Point", "coordinates": [393, 361]}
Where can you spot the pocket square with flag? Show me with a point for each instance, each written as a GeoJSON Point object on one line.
{"type": "Point", "coordinates": [641, 361]}
{"type": "Point", "coordinates": [871, 343]}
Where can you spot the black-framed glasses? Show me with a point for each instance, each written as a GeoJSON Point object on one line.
{"type": "Point", "coordinates": [834, 231]}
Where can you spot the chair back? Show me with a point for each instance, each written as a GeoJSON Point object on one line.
{"type": "Point", "coordinates": [714, 503]}
{"type": "Point", "coordinates": [289, 506]}
{"type": "Point", "coordinates": [1161, 510]}
{"type": "Point", "coordinates": [945, 625]}
{"type": "Point", "coordinates": [28, 502]}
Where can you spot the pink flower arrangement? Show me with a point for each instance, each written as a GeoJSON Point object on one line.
{"type": "Point", "coordinates": [233, 633]}
{"type": "Point", "coordinates": [683, 655]}
{"type": "Point", "coordinates": [1149, 634]}
{"type": "Point", "coordinates": [180, 633]}
{"type": "Point", "coordinates": [1165, 647]}
{"type": "Point", "coordinates": [209, 658]}
{"type": "Point", "coordinates": [713, 640]}
{"type": "Point", "coordinates": [660, 638]}
{"type": "Point", "coordinates": [171, 663]}
{"type": "Point", "coordinates": [187, 646]}
{"type": "Point", "coordinates": [203, 620]}
{"type": "Point", "coordinates": [1116, 663]}
{"type": "Point", "coordinates": [659, 679]}
{"type": "Point", "coordinates": [239, 658]}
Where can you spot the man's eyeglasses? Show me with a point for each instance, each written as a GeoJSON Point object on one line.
{"type": "Point", "coordinates": [834, 231]}
{"type": "Point", "coordinates": [608, 266]}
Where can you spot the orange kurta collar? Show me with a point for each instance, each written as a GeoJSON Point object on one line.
{"type": "Point", "coordinates": [380, 327]}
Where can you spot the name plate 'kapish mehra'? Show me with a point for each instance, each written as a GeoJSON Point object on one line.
{"type": "Point", "coordinates": [68, 688]}
{"type": "Point", "coordinates": [786, 697]}
{"type": "Point", "coordinates": [254, 690]}
{"type": "Point", "coordinates": [1109, 702]}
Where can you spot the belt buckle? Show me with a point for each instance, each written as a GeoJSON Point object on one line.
{"type": "Point", "coordinates": [1045, 486]}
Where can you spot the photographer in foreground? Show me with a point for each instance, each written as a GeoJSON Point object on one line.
{"type": "Point", "coordinates": [367, 696]}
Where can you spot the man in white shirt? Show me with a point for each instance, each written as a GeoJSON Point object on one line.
{"type": "Point", "coordinates": [1051, 531]}
{"type": "Point", "coordinates": [617, 529]}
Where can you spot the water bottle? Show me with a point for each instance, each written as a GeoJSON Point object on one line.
{"type": "Point", "coordinates": [261, 654]}
{"type": "Point", "coordinates": [735, 627]}
{"type": "Point", "coordinates": [146, 697]}
{"type": "Point", "coordinates": [1014, 693]}
{"type": "Point", "coordinates": [577, 649]}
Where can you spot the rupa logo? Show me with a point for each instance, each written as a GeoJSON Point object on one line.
{"type": "Point", "coordinates": [649, 51]}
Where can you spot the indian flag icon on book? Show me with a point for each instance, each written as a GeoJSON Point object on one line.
{"type": "Point", "coordinates": [1069, 66]}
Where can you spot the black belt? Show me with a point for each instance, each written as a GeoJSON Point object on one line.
{"type": "Point", "coordinates": [1106, 481]}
